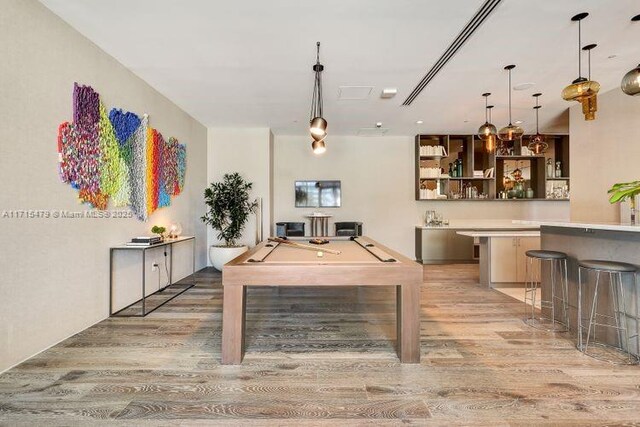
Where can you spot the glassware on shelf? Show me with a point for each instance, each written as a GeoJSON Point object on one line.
{"type": "Point", "coordinates": [549, 168]}
{"type": "Point", "coordinates": [558, 170]}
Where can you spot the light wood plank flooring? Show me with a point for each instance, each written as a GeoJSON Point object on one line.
{"type": "Point", "coordinates": [322, 356]}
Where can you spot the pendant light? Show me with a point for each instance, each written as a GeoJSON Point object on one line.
{"type": "Point", "coordinates": [537, 144]}
{"type": "Point", "coordinates": [510, 132]}
{"type": "Point", "coordinates": [487, 129]}
{"type": "Point", "coordinates": [581, 89]}
{"type": "Point", "coordinates": [317, 123]}
{"type": "Point", "coordinates": [490, 141]}
{"type": "Point", "coordinates": [631, 81]}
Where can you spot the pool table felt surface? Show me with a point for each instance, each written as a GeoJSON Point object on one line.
{"type": "Point", "coordinates": [350, 252]}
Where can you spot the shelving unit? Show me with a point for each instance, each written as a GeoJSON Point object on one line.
{"type": "Point", "coordinates": [469, 149]}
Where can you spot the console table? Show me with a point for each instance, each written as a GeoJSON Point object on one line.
{"type": "Point", "coordinates": [143, 250]}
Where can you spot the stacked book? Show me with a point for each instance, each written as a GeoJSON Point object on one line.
{"type": "Point", "coordinates": [144, 241]}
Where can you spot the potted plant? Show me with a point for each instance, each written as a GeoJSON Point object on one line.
{"type": "Point", "coordinates": [626, 191]}
{"type": "Point", "coordinates": [229, 210]}
{"type": "Point", "coordinates": [159, 230]}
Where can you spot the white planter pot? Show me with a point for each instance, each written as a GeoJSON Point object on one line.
{"type": "Point", "coordinates": [220, 255]}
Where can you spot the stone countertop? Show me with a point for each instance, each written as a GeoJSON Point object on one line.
{"type": "Point", "coordinates": [483, 224]}
{"type": "Point", "coordinates": [608, 226]}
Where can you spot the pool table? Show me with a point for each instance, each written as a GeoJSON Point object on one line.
{"type": "Point", "coordinates": [361, 262]}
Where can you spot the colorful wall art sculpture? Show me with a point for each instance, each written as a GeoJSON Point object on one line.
{"type": "Point", "coordinates": [118, 156]}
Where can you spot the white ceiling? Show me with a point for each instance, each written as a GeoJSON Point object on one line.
{"type": "Point", "coordinates": [248, 62]}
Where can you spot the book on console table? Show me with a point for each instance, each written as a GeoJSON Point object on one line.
{"type": "Point", "coordinates": [144, 241]}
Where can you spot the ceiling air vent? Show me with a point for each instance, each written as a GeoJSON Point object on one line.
{"type": "Point", "coordinates": [481, 15]}
{"type": "Point", "coordinates": [372, 131]}
{"type": "Point", "coordinates": [354, 93]}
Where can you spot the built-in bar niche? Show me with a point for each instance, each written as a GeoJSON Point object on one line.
{"type": "Point", "coordinates": [458, 167]}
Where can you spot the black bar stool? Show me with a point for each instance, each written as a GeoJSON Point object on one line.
{"type": "Point", "coordinates": [617, 310]}
{"type": "Point", "coordinates": [558, 269]}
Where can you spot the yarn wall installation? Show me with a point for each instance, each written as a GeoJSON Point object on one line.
{"type": "Point", "coordinates": [118, 156]}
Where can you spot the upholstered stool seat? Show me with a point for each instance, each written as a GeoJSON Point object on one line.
{"type": "Point", "coordinates": [542, 254]}
{"type": "Point", "coordinates": [608, 266]}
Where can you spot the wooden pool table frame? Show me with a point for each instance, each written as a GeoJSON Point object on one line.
{"type": "Point", "coordinates": [405, 275]}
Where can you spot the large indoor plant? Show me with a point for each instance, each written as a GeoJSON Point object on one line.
{"type": "Point", "coordinates": [626, 191]}
{"type": "Point", "coordinates": [229, 210]}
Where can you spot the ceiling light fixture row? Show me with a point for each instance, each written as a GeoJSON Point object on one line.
{"type": "Point", "coordinates": [317, 122]}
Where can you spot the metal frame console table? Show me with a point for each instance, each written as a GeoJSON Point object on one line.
{"type": "Point", "coordinates": [143, 250]}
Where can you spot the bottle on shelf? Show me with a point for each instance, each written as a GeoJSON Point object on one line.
{"type": "Point", "coordinates": [549, 168]}
{"type": "Point", "coordinates": [558, 170]}
{"type": "Point", "coordinates": [459, 172]}
{"type": "Point", "coordinates": [453, 169]}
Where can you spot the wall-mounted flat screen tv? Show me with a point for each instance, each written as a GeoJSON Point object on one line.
{"type": "Point", "coordinates": [318, 194]}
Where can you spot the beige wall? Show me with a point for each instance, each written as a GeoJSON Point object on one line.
{"type": "Point", "coordinates": [377, 177]}
{"type": "Point", "coordinates": [55, 273]}
{"type": "Point", "coordinates": [603, 151]}
{"type": "Point", "coordinates": [248, 151]}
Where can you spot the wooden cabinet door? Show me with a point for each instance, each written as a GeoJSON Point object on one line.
{"type": "Point", "coordinates": [503, 260]}
{"type": "Point", "coordinates": [525, 244]}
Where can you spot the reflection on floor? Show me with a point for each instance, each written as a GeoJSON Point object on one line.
{"type": "Point", "coordinates": [518, 293]}
{"type": "Point", "coordinates": [317, 355]}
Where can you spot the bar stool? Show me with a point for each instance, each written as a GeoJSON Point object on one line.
{"type": "Point", "coordinates": [617, 306]}
{"type": "Point", "coordinates": [558, 267]}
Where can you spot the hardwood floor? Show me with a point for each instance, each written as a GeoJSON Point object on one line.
{"type": "Point", "coordinates": [318, 356]}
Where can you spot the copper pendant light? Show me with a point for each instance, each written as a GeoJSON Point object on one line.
{"type": "Point", "coordinates": [631, 81]}
{"type": "Point", "coordinates": [487, 129]}
{"type": "Point", "coordinates": [581, 89]}
{"type": "Point", "coordinates": [537, 144]}
{"type": "Point", "coordinates": [510, 132]}
{"type": "Point", "coordinates": [317, 123]}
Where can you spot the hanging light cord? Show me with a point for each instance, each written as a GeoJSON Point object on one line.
{"type": "Point", "coordinates": [316, 102]}
{"type": "Point", "coordinates": [579, 48]}
{"type": "Point", "coordinates": [589, 55]}
{"type": "Point", "coordinates": [486, 105]}
{"type": "Point", "coordinates": [537, 109]}
{"type": "Point", "coordinates": [509, 97]}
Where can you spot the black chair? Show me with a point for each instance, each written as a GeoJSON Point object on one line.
{"type": "Point", "coordinates": [348, 228]}
{"type": "Point", "coordinates": [290, 229]}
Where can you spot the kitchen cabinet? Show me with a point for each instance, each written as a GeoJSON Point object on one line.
{"type": "Point", "coordinates": [508, 258]}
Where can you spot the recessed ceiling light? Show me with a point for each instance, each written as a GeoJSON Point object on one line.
{"type": "Point", "coordinates": [518, 122]}
{"type": "Point", "coordinates": [466, 121]}
{"type": "Point", "coordinates": [379, 124]}
{"type": "Point", "coordinates": [419, 122]}
{"type": "Point", "coordinates": [524, 86]}
{"type": "Point", "coordinates": [613, 55]}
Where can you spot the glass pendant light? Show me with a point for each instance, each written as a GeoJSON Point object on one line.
{"type": "Point", "coordinates": [490, 141]}
{"type": "Point", "coordinates": [510, 132]}
{"type": "Point", "coordinates": [537, 144]}
{"type": "Point", "coordinates": [487, 129]}
{"type": "Point", "coordinates": [631, 81]}
{"type": "Point", "coordinates": [317, 123]}
{"type": "Point", "coordinates": [581, 89]}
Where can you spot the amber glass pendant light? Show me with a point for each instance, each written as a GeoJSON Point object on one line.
{"type": "Point", "coordinates": [537, 144]}
{"type": "Point", "coordinates": [490, 141]}
{"type": "Point", "coordinates": [631, 81]}
{"type": "Point", "coordinates": [317, 123]}
{"type": "Point", "coordinates": [487, 129]}
{"type": "Point", "coordinates": [582, 89]}
{"type": "Point", "coordinates": [510, 132]}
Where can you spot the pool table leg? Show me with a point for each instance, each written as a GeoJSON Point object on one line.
{"type": "Point", "coordinates": [408, 323]}
{"type": "Point", "coordinates": [233, 324]}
